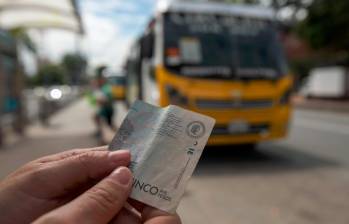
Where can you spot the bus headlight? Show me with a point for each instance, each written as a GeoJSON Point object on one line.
{"type": "Point", "coordinates": [176, 97]}
{"type": "Point", "coordinates": [286, 97]}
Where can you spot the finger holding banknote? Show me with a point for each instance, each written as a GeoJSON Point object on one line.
{"type": "Point", "coordinates": [97, 205]}
{"type": "Point", "coordinates": [106, 200]}
{"type": "Point", "coordinates": [152, 215]}
{"type": "Point", "coordinates": [144, 214]}
{"type": "Point", "coordinates": [148, 215]}
{"type": "Point", "coordinates": [52, 181]}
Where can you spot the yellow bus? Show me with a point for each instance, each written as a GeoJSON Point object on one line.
{"type": "Point", "coordinates": [117, 82]}
{"type": "Point", "coordinates": [222, 60]}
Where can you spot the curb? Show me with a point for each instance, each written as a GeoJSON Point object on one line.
{"type": "Point", "coordinates": [322, 105]}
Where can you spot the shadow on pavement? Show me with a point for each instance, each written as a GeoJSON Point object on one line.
{"type": "Point", "coordinates": [265, 159]}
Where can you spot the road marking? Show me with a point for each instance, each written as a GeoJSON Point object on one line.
{"type": "Point", "coordinates": [322, 126]}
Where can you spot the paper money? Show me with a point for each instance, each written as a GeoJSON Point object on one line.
{"type": "Point", "coordinates": [165, 146]}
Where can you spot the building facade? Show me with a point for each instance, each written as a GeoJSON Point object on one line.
{"type": "Point", "coordinates": [10, 86]}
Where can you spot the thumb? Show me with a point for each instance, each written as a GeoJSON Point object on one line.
{"type": "Point", "coordinates": [99, 204]}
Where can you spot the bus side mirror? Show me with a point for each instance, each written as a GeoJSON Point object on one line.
{"type": "Point", "coordinates": [148, 46]}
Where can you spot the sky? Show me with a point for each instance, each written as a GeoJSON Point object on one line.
{"type": "Point", "coordinates": [110, 28]}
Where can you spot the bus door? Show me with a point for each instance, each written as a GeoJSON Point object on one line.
{"type": "Point", "coordinates": [150, 92]}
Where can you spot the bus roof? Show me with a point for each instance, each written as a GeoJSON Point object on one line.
{"type": "Point", "coordinates": [216, 8]}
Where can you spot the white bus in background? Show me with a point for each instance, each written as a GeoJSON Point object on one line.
{"type": "Point", "coordinates": [327, 82]}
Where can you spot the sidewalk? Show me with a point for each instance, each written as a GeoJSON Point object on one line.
{"type": "Point", "coordinates": [71, 128]}
{"type": "Point", "coordinates": [322, 105]}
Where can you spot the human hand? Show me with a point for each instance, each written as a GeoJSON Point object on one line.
{"type": "Point", "coordinates": [50, 182]}
{"type": "Point", "coordinates": [107, 203]}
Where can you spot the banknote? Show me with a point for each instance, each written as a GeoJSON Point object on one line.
{"type": "Point", "coordinates": [165, 145]}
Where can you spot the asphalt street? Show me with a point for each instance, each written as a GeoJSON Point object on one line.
{"type": "Point", "coordinates": [303, 179]}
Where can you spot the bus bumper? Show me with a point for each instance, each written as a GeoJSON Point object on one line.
{"type": "Point", "coordinates": [275, 127]}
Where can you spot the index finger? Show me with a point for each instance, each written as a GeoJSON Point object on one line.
{"type": "Point", "coordinates": [64, 174]}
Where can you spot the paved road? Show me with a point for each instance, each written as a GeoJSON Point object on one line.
{"type": "Point", "coordinates": [304, 179]}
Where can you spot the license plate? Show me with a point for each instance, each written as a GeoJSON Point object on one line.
{"type": "Point", "coordinates": [238, 127]}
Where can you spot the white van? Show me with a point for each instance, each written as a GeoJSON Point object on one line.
{"type": "Point", "coordinates": [327, 82]}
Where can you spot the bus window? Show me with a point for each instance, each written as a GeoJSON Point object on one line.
{"type": "Point", "coordinates": [133, 78]}
{"type": "Point", "coordinates": [116, 80]}
{"type": "Point", "coordinates": [222, 47]}
{"type": "Point", "coordinates": [148, 46]}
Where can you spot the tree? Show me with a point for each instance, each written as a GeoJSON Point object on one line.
{"type": "Point", "coordinates": [100, 70]}
{"type": "Point", "coordinates": [75, 66]}
{"type": "Point", "coordinates": [326, 25]}
{"type": "Point", "coordinates": [24, 39]}
{"type": "Point", "coordinates": [239, 1]}
{"type": "Point", "coordinates": [294, 8]}
{"type": "Point", "coordinates": [48, 75]}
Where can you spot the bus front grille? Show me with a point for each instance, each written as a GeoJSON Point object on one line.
{"type": "Point", "coordinates": [234, 104]}
{"type": "Point", "coordinates": [252, 129]}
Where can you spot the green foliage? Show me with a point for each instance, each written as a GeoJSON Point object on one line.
{"type": "Point", "coordinates": [69, 71]}
{"type": "Point", "coordinates": [75, 66]}
{"type": "Point", "coordinates": [242, 1]}
{"type": "Point", "coordinates": [100, 70]}
{"type": "Point", "coordinates": [74, 62]}
{"type": "Point", "coordinates": [301, 69]}
{"type": "Point", "coordinates": [48, 75]}
{"type": "Point", "coordinates": [296, 7]}
{"type": "Point", "coordinates": [278, 4]}
{"type": "Point", "coordinates": [22, 37]}
{"type": "Point", "coordinates": [327, 25]}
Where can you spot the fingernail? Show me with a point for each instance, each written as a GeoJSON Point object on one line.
{"type": "Point", "coordinates": [122, 175]}
{"type": "Point", "coordinates": [120, 155]}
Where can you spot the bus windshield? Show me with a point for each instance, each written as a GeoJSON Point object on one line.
{"type": "Point", "coordinates": [221, 46]}
{"type": "Point", "coordinates": [117, 80]}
